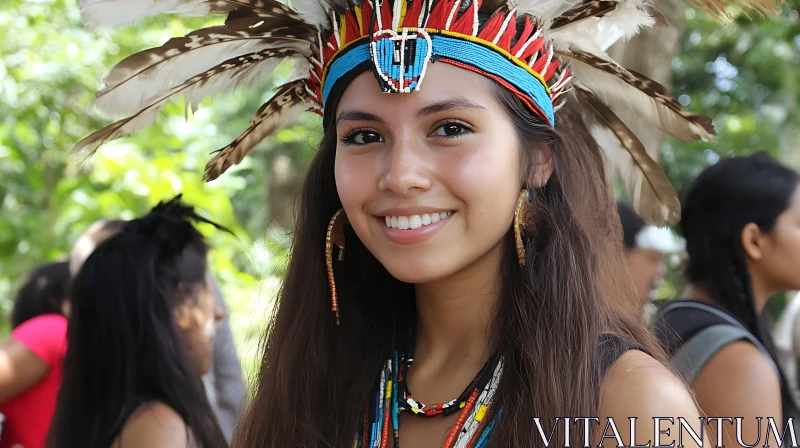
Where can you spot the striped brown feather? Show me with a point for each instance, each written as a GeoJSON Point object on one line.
{"type": "Point", "coordinates": [289, 101]}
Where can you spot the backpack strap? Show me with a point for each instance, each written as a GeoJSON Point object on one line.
{"type": "Point", "coordinates": [690, 358]}
{"type": "Point", "coordinates": [695, 353]}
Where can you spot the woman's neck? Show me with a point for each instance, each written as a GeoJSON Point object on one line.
{"type": "Point", "coordinates": [761, 292]}
{"type": "Point", "coordinates": [695, 292]}
{"type": "Point", "coordinates": [455, 313]}
{"type": "Point", "coordinates": [761, 295]}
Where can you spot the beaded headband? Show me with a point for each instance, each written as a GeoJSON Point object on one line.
{"type": "Point", "coordinates": [399, 54]}
{"type": "Point", "coordinates": [548, 53]}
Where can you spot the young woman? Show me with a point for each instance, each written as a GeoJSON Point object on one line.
{"type": "Point", "coordinates": [461, 230]}
{"type": "Point", "coordinates": [741, 221]}
{"type": "Point", "coordinates": [30, 360]}
{"type": "Point", "coordinates": [141, 335]}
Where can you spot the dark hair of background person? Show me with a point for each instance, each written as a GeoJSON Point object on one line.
{"type": "Point", "coordinates": [316, 376]}
{"type": "Point", "coordinates": [124, 347]}
{"type": "Point", "coordinates": [631, 222]}
{"type": "Point", "coordinates": [720, 202]}
{"type": "Point", "coordinates": [44, 292]}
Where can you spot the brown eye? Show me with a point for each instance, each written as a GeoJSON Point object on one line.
{"type": "Point", "coordinates": [452, 129]}
{"type": "Point", "coordinates": [362, 137]}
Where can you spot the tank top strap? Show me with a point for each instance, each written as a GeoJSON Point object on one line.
{"type": "Point", "coordinates": [613, 346]}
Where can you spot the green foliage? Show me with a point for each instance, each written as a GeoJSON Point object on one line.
{"type": "Point", "coordinates": [50, 68]}
{"type": "Point", "coordinates": [745, 77]}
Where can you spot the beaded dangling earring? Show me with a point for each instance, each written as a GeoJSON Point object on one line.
{"type": "Point", "coordinates": [522, 218]}
{"type": "Point", "coordinates": [334, 237]}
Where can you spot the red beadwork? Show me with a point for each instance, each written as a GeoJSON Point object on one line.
{"type": "Point", "coordinates": [451, 439]}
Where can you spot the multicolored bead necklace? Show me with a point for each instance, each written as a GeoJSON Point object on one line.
{"type": "Point", "coordinates": [472, 428]}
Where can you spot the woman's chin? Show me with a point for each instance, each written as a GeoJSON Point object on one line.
{"type": "Point", "coordinates": [416, 273]}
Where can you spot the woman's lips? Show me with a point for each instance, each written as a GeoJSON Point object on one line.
{"type": "Point", "coordinates": [414, 228]}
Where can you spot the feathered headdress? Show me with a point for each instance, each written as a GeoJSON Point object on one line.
{"type": "Point", "coordinates": [546, 52]}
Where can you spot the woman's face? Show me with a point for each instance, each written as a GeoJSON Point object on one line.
{"type": "Point", "coordinates": [197, 318]}
{"type": "Point", "coordinates": [779, 261]}
{"type": "Point", "coordinates": [429, 180]}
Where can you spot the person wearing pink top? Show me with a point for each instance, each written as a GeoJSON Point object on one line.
{"type": "Point", "coordinates": [31, 359]}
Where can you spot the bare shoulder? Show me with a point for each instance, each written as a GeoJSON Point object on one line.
{"type": "Point", "coordinates": [741, 364]}
{"type": "Point", "coordinates": [637, 382]}
{"type": "Point", "coordinates": [639, 386]}
{"type": "Point", "coordinates": [153, 425]}
{"type": "Point", "coordinates": [739, 380]}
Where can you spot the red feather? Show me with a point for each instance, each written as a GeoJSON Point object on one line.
{"type": "Point", "coordinates": [327, 51]}
{"type": "Point", "coordinates": [534, 46]}
{"type": "Point", "coordinates": [386, 14]}
{"type": "Point", "coordinates": [351, 31]}
{"type": "Point", "coordinates": [466, 21]}
{"type": "Point", "coordinates": [551, 69]}
{"type": "Point", "coordinates": [412, 15]}
{"type": "Point", "coordinates": [492, 27]}
{"type": "Point", "coordinates": [539, 65]}
{"type": "Point", "coordinates": [511, 30]}
{"type": "Point", "coordinates": [527, 30]}
{"type": "Point", "coordinates": [366, 16]}
{"type": "Point", "coordinates": [439, 15]}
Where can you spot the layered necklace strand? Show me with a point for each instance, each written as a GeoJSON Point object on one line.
{"type": "Point", "coordinates": [472, 428]}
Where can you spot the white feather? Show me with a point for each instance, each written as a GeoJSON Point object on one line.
{"type": "Point", "coordinates": [596, 34]}
{"type": "Point", "coordinates": [118, 13]}
{"type": "Point", "coordinates": [574, 38]}
{"type": "Point", "coordinates": [241, 78]}
{"type": "Point", "coordinates": [127, 90]}
{"type": "Point", "coordinates": [314, 12]}
{"type": "Point", "coordinates": [545, 10]}
{"type": "Point", "coordinates": [193, 90]}
{"type": "Point", "coordinates": [617, 94]}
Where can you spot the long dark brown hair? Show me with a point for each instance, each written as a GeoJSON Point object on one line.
{"type": "Point", "coordinates": [124, 347]}
{"type": "Point", "coordinates": [315, 376]}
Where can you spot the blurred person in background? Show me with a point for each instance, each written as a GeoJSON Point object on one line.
{"type": "Point", "coordinates": [646, 247]}
{"type": "Point", "coordinates": [30, 360]}
{"type": "Point", "coordinates": [741, 221]}
{"type": "Point", "coordinates": [224, 383]}
{"type": "Point", "coordinates": [786, 335]}
{"type": "Point", "coordinates": [143, 320]}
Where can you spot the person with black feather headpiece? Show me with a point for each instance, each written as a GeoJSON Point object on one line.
{"type": "Point", "coordinates": [142, 326]}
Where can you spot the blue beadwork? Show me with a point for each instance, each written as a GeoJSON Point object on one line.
{"type": "Point", "coordinates": [414, 49]}
{"type": "Point", "coordinates": [464, 51]}
{"type": "Point", "coordinates": [343, 65]}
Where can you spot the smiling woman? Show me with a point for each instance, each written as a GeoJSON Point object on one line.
{"type": "Point", "coordinates": [483, 250]}
{"type": "Point", "coordinates": [432, 293]}
{"type": "Point", "coordinates": [434, 152]}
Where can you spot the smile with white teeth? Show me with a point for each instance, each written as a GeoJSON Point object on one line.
{"type": "Point", "coordinates": [415, 221]}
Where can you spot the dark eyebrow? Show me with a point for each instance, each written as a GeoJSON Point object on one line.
{"type": "Point", "coordinates": [441, 106]}
{"type": "Point", "coordinates": [449, 104]}
{"type": "Point", "coordinates": [357, 115]}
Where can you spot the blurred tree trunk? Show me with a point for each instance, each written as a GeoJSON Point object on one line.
{"type": "Point", "coordinates": [790, 139]}
{"type": "Point", "coordinates": [285, 182]}
{"type": "Point", "coordinates": [650, 53]}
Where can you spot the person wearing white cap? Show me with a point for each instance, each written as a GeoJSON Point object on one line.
{"type": "Point", "coordinates": [645, 249]}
